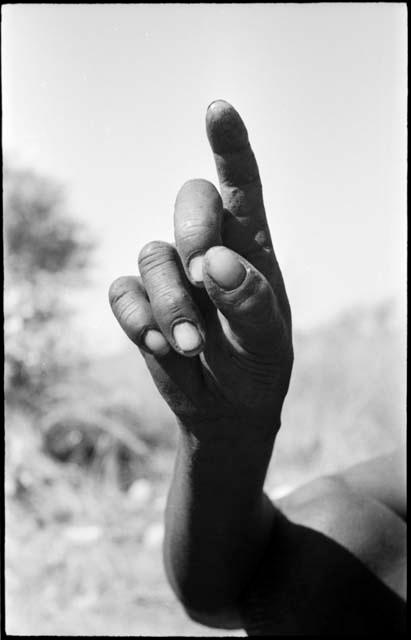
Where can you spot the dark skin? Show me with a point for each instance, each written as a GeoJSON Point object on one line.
{"type": "Point", "coordinates": [216, 336]}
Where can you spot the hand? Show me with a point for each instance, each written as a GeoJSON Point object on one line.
{"type": "Point", "coordinates": [211, 314]}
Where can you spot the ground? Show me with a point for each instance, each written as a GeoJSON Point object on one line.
{"type": "Point", "coordinates": [84, 557]}
{"type": "Point", "coordinates": [80, 561]}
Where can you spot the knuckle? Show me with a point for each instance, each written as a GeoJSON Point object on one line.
{"type": "Point", "coordinates": [128, 302]}
{"type": "Point", "coordinates": [118, 289]}
{"type": "Point", "coordinates": [194, 229]}
{"type": "Point", "coordinates": [127, 307]}
{"type": "Point", "coordinates": [171, 300]}
{"type": "Point", "coordinates": [130, 315]}
{"type": "Point", "coordinates": [154, 254]}
{"type": "Point", "coordinates": [125, 302]}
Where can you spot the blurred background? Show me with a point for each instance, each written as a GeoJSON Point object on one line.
{"type": "Point", "coordinates": [103, 120]}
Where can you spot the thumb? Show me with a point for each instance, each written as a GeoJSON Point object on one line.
{"type": "Point", "coordinates": [245, 299]}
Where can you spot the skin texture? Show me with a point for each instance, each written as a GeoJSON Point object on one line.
{"type": "Point", "coordinates": [227, 393]}
{"type": "Point", "coordinates": [242, 366]}
{"type": "Point", "coordinates": [211, 317]}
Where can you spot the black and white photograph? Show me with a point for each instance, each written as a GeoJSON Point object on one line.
{"type": "Point", "coordinates": [205, 318]}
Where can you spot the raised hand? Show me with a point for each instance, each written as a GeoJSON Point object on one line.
{"type": "Point", "coordinates": [211, 317]}
{"type": "Point", "coordinates": [210, 313]}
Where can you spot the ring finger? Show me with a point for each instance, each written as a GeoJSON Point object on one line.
{"type": "Point", "coordinates": [171, 302]}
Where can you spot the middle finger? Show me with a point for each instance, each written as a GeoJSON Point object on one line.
{"type": "Point", "coordinates": [198, 217]}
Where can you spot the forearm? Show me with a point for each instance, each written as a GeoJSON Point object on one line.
{"type": "Point", "coordinates": [218, 520]}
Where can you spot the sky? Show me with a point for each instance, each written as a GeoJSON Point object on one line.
{"type": "Point", "coordinates": [110, 101]}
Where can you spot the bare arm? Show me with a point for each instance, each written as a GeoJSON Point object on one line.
{"type": "Point", "coordinates": [336, 564]}
{"type": "Point", "coordinates": [338, 534]}
{"type": "Point", "coordinates": [218, 524]}
{"type": "Point", "coordinates": [211, 317]}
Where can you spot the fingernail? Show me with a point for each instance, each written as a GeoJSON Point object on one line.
{"type": "Point", "coordinates": [186, 336]}
{"type": "Point", "coordinates": [225, 268]}
{"type": "Point", "coordinates": [156, 342]}
{"type": "Point", "coordinates": [195, 268]}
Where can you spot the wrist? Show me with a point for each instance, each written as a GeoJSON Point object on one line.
{"type": "Point", "coordinates": [225, 465]}
{"type": "Point", "coordinates": [222, 432]}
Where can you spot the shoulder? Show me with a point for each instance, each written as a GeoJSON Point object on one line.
{"type": "Point", "coordinates": [361, 524]}
{"type": "Point", "coordinates": [336, 562]}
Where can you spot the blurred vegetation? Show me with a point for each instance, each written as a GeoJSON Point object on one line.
{"type": "Point", "coordinates": [47, 256]}
{"type": "Point", "coordinates": [347, 397]}
{"type": "Point", "coordinates": [90, 444]}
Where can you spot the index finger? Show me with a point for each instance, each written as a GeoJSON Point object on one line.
{"type": "Point", "coordinates": [237, 169]}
